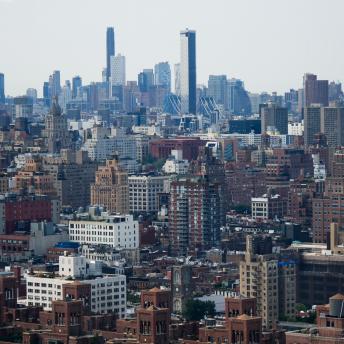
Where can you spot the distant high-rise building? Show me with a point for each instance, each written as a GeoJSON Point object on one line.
{"type": "Point", "coordinates": [118, 70]}
{"type": "Point", "coordinates": [315, 91]}
{"type": "Point", "coordinates": [300, 100]}
{"type": "Point", "coordinates": [32, 93]}
{"type": "Point", "coordinates": [110, 50]}
{"type": "Point", "coordinates": [46, 93]}
{"type": "Point", "coordinates": [162, 75]}
{"type": "Point", "coordinates": [291, 100]}
{"type": "Point", "coordinates": [76, 84]}
{"type": "Point", "coordinates": [332, 125]}
{"type": "Point", "coordinates": [65, 95]}
{"type": "Point", "coordinates": [217, 88]}
{"type": "Point", "coordinates": [2, 88]}
{"type": "Point", "coordinates": [274, 117]}
{"type": "Point", "coordinates": [188, 71]}
{"type": "Point", "coordinates": [177, 79]}
{"type": "Point", "coordinates": [145, 80]}
{"type": "Point", "coordinates": [238, 100]}
{"type": "Point", "coordinates": [311, 120]}
{"type": "Point", "coordinates": [55, 84]}
{"type": "Point", "coordinates": [334, 91]}
{"type": "Point", "coordinates": [23, 106]}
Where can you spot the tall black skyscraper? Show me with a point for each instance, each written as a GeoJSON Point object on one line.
{"type": "Point", "coordinates": [188, 71]}
{"type": "Point", "coordinates": [110, 50]}
{"type": "Point", "coordinates": [2, 88]}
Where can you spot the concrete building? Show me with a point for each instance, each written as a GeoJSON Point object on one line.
{"type": "Point", "coordinates": [217, 88]}
{"type": "Point", "coordinates": [118, 72]}
{"type": "Point", "coordinates": [111, 188]}
{"type": "Point", "coordinates": [271, 282]}
{"type": "Point", "coordinates": [72, 173]}
{"type": "Point", "coordinates": [176, 164]}
{"type": "Point", "coordinates": [312, 123]}
{"type": "Point", "coordinates": [23, 107]}
{"type": "Point", "coordinates": [332, 125]}
{"type": "Point", "coordinates": [119, 231]}
{"type": "Point", "coordinates": [108, 291]}
{"type": "Point", "coordinates": [195, 208]}
{"type": "Point", "coordinates": [268, 207]}
{"type": "Point", "coordinates": [274, 118]}
{"type": "Point", "coordinates": [188, 71]}
{"type": "Point", "coordinates": [315, 91]}
{"type": "Point", "coordinates": [295, 128]}
{"type": "Point", "coordinates": [162, 75]}
{"type": "Point", "coordinates": [144, 191]}
{"type": "Point", "coordinates": [329, 207]}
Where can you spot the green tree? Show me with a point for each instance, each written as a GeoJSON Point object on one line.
{"type": "Point", "coordinates": [197, 309]}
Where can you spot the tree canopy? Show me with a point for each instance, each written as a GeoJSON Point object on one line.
{"type": "Point", "coordinates": [197, 309]}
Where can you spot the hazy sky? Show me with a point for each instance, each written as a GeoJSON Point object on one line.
{"type": "Point", "coordinates": [267, 43]}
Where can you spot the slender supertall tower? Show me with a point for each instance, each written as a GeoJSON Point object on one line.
{"type": "Point", "coordinates": [188, 71]}
{"type": "Point", "coordinates": [110, 50]}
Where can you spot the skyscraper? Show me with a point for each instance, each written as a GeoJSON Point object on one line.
{"type": "Point", "coordinates": [55, 84]}
{"type": "Point", "coordinates": [188, 71]}
{"type": "Point", "coordinates": [76, 84]}
{"type": "Point", "coordinates": [275, 117]}
{"type": "Point", "coordinates": [238, 101]}
{"type": "Point", "coordinates": [311, 117]}
{"type": "Point", "coordinates": [315, 91]}
{"type": "Point", "coordinates": [217, 88]}
{"type": "Point", "coordinates": [118, 70]}
{"type": "Point", "coordinates": [23, 106]}
{"type": "Point", "coordinates": [177, 79]}
{"type": "Point", "coordinates": [145, 80]}
{"type": "Point", "coordinates": [32, 93]}
{"type": "Point", "coordinates": [162, 74]}
{"type": "Point", "coordinates": [110, 50]}
{"type": "Point", "coordinates": [332, 125]}
{"type": "Point", "coordinates": [46, 93]}
{"type": "Point", "coordinates": [2, 88]}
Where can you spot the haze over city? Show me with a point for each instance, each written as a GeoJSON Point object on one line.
{"type": "Point", "coordinates": [251, 40]}
{"type": "Point", "coordinates": [171, 172]}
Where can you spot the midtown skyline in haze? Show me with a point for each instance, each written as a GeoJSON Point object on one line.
{"type": "Point", "coordinates": [269, 45]}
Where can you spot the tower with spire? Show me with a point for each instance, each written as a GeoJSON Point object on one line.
{"type": "Point", "coordinates": [56, 131]}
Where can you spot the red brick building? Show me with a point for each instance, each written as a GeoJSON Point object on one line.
{"type": "Point", "coordinates": [161, 149]}
{"type": "Point", "coordinates": [19, 211]}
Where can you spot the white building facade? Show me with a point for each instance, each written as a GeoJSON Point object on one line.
{"type": "Point", "coordinates": [144, 190]}
{"type": "Point", "coordinates": [116, 231]}
{"type": "Point", "coordinates": [108, 292]}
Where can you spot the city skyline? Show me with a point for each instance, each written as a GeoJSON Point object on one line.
{"type": "Point", "coordinates": [294, 43]}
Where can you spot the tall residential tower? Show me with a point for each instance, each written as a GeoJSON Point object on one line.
{"type": "Point", "coordinates": [188, 71]}
{"type": "Point", "coordinates": [110, 50]}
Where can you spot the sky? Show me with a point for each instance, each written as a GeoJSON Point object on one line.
{"type": "Point", "coordinates": [269, 44]}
